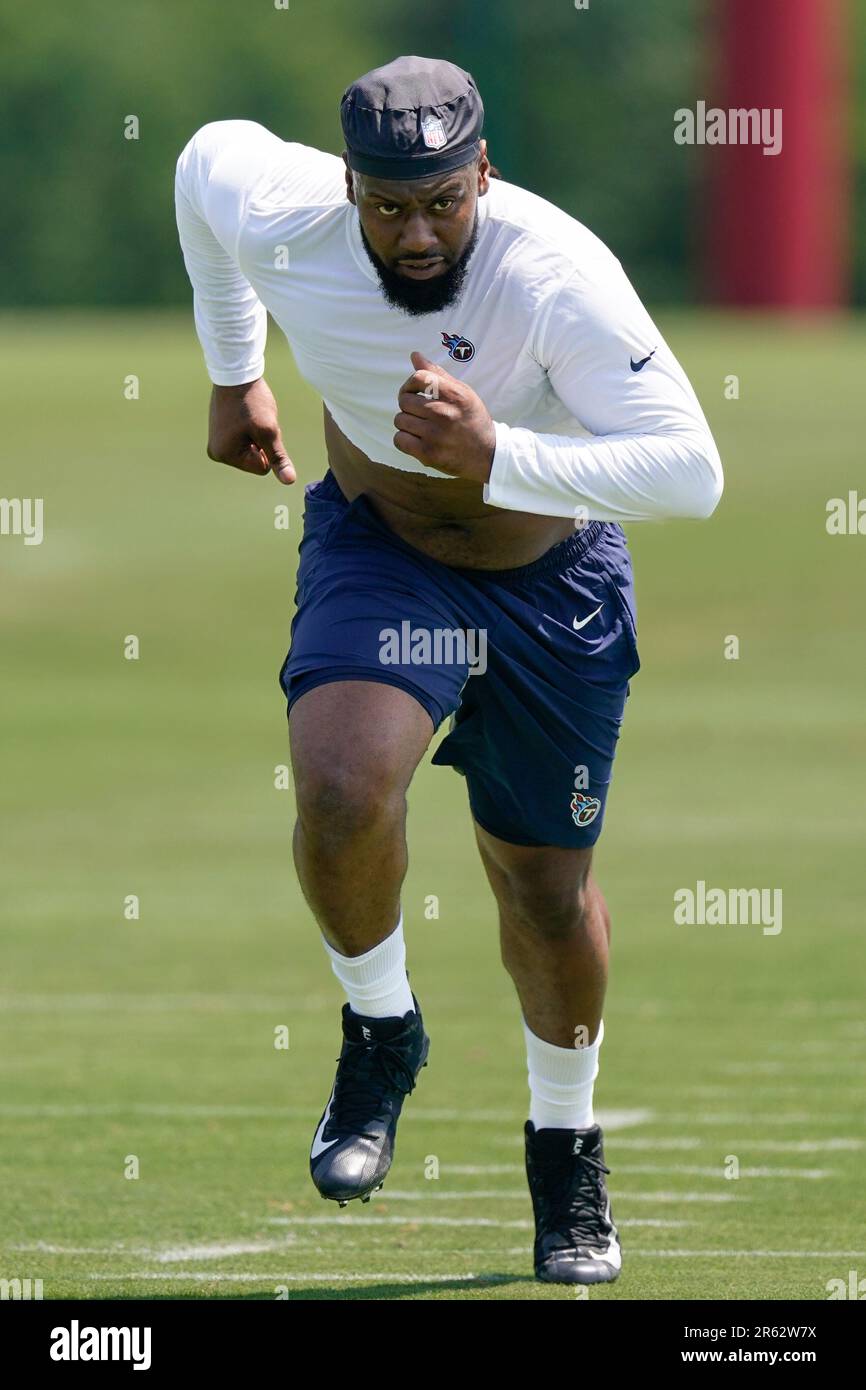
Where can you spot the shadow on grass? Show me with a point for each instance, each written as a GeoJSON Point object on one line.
{"type": "Point", "coordinates": [339, 1292]}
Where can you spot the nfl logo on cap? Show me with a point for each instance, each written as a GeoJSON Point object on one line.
{"type": "Point", "coordinates": [434, 132]}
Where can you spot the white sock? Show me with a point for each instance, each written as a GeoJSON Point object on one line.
{"type": "Point", "coordinates": [560, 1082]}
{"type": "Point", "coordinates": [376, 983]}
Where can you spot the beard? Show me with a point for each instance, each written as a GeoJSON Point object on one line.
{"type": "Point", "coordinates": [417, 297]}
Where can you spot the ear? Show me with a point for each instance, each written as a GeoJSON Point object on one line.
{"type": "Point", "coordinates": [350, 186]}
{"type": "Point", "coordinates": [483, 169]}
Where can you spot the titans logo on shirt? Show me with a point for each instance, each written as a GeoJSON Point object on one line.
{"type": "Point", "coordinates": [460, 349]}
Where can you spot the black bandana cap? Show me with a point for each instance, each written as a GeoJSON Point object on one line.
{"type": "Point", "coordinates": [412, 118]}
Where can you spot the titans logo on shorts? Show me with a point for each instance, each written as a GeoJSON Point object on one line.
{"type": "Point", "coordinates": [531, 665]}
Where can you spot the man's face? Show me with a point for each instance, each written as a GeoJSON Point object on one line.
{"type": "Point", "coordinates": [420, 233]}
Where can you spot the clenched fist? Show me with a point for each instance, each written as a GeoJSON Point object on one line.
{"type": "Point", "coordinates": [444, 423]}
{"type": "Point", "coordinates": [244, 432]}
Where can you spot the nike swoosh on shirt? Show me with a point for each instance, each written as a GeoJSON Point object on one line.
{"type": "Point", "coordinates": [583, 622]}
{"type": "Point", "coordinates": [318, 1146]}
{"type": "Point", "coordinates": [636, 366]}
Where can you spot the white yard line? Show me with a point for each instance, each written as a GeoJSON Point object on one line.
{"type": "Point", "coordinates": [278, 1005]}
{"type": "Point", "coordinates": [613, 1120]}
{"type": "Point", "coordinates": [712, 1119]}
{"type": "Point", "coordinates": [251, 1278]}
{"type": "Point", "coordinates": [218, 1250]}
{"type": "Point", "coordinates": [743, 1120]}
{"type": "Point", "coordinates": [753, 1254]}
{"type": "Point", "coordinates": [282, 1277]}
{"type": "Point", "coordinates": [629, 1141]}
{"type": "Point", "coordinates": [183, 1110]}
{"type": "Point", "coordinates": [807, 1146]}
{"type": "Point", "coordinates": [175, 1111]}
{"type": "Point", "coordinates": [435, 1192]}
{"type": "Point", "coordinates": [716, 1171]}
{"type": "Point", "coordinates": [382, 1220]}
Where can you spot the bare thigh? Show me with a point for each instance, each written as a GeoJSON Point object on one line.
{"type": "Point", "coordinates": [354, 743]}
{"type": "Point", "coordinates": [355, 746]}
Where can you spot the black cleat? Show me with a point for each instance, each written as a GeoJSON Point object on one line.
{"type": "Point", "coordinates": [576, 1241]}
{"type": "Point", "coordinates": [353, 1147]}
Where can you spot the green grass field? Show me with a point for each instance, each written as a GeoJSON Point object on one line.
{"type": "Point", "coordinates": [155, 777]}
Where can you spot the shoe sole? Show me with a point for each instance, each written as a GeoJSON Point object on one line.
{"type": "Point", "coordinates": [585, 1283]}
{"type": "Point", "coordinates": [358, 1197]}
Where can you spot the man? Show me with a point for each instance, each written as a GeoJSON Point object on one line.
{"type": "Point", "coordinates": [496, 402]}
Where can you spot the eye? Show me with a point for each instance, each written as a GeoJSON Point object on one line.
{"type": "Point", "coordinates": [387, 209]}
{"type": "Point", "coordinates": [443, 204]}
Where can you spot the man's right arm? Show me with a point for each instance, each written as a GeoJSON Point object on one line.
{"type": "Point", "coordinates": [215, 174]}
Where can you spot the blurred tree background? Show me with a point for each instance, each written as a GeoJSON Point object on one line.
{"type": "Point", "coordinates": [579, 108]}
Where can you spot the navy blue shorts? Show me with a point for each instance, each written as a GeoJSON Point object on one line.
{"type": "Point", "coordinates": [531, 665]}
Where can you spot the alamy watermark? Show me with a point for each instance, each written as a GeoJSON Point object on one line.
{"type": "Point", "coordinates": [852, 1287]}
{"type": "Point", "coordinates": [77, 1343]}
{"type": "Point", "coordinates": [846, 516]}
{"type": "Point", "coordinates": [737, 126]}
{"type": "Point", "coordinates": [434, 646]}
{"type": "Point", "coordinates": [729, 907]}
{"type": "Point", "coordinates": [17, 1290]}
{"type": "Point", "coordinates": [22, 516]}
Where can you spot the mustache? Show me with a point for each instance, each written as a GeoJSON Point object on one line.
{"type": "Point", "coordinates": [423, 296]}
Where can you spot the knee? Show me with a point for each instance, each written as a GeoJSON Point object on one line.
{"type": "Point", "coordinates": [549, 908]}
{"type": "Point", "coordinates": [339, 804]}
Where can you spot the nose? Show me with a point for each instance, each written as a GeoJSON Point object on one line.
{"type": "Point", "coordinates": [417, 237]}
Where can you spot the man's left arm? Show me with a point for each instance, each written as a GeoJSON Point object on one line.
{"type": "Point", "coordinates": [649, 454]}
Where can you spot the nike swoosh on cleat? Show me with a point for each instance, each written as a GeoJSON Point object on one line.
{"type": "Point", "coordinates": [583, 622]}
{"type": "Point", "coordinates": [318, 1146]}
{"type": "Point", "coordinates": [611, 1256]}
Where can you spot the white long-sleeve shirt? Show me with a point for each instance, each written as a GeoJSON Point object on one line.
{"type": "Point", "coordinates": [558, 332]}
